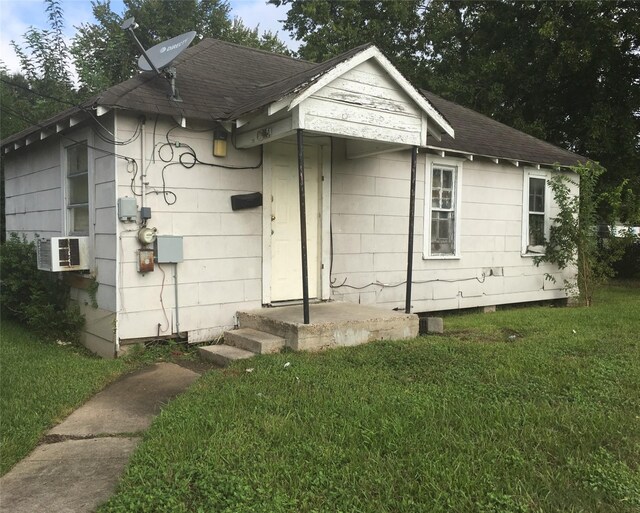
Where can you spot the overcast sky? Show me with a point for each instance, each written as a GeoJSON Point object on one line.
{"type": "Point", "coordinates": [16, 16]}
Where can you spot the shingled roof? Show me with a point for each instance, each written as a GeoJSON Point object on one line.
{"type": "Point", "coordinates": [214, 79]}
{"type": "Point", "coordinates": [477, 134]}
{"type": "Point", "coordinates": [220, 81]}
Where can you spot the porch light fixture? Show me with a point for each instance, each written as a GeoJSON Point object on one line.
{"type": "Point", "coordinates": [220, 136]}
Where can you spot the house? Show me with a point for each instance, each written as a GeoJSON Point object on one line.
{"type": "Point", "coordinates": [189, 210]}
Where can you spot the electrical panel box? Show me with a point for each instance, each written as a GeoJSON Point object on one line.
{"type": "Point", "coordinates": [127, 209]}
{"type": "Point", "coordinates": [168, 249]}
{"type": "Point", "coordinates": [63, 254]}
{"type": "Point", "coordinates": [145, 261]}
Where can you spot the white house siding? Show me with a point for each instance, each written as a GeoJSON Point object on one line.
{"type": "Point", "coordinates": [365, 103]}
{"type": "Point", "coordinates": [100, 323]}
{"type": "Point", "coordinates": [370, 211]}
{"type": "Point", "coordinates": [35, 206]}
{"type": "Point", "coordinates": [33, 194]}
{"type": "Point", "coordinates": [222, 268]}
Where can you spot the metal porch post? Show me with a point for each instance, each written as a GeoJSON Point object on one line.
{"type": "Point", "coordinates": [412, 215]}
{"type": "Point", "coordinates": [303, 228]}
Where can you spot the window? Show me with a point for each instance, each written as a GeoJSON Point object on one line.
{"type": "Point", "coordinates": [78, 188]}
{"type": "Point", "coordinates": [535, 214]}
{"type": "Point", "coordinates": [441, 216]}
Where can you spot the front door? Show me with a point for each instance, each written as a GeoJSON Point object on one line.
{"type": "Point", "coordinates": [286, 261]}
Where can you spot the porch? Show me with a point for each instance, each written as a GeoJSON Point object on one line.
{"type": "Point", "coordinates": [333, 324]}
{"type": "Point", "coordinates": [361, 100]}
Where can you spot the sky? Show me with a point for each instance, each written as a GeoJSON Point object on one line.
{"type": "Point", "coordinates": [16, 16]}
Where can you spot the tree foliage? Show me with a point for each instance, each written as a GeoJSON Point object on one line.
{"type": "Point", "coordinates": [567, 72]}
{"type": "Point", "coordinates": [105, 54]}
{"type": "Point", "coordinates": [44, 85]}
{"type": "Point", "coordinates": [331, 27]}
{"type": "Point", "coordinates": [574, 240]}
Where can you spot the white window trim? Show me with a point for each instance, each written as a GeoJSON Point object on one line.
{"type": "Point", "coordinates": [534, 173]}
{"type": "Point", "coordinates": [432, 161]}
{"type": "Point", "coordinates": [84, 135]}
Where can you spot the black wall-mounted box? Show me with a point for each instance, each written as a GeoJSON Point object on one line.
{"type": "Point", "coordinates": [243, 201]}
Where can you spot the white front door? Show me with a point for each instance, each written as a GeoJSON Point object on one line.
{"type": "Point", "coordinates": [286, 260]}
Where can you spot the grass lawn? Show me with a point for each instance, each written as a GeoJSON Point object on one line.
{"type": "Point", "coordinates": [470, 421]}
{"type": "Point", "coordinates": [40, 384]}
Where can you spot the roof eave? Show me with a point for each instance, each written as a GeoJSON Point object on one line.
{"type": "Point", "coordinates": [517, 161]}
{"type": "Point", "coordinates": [47, 128]}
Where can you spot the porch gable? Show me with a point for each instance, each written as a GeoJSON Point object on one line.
{"type": "Point", "coordinates": [362, 98]}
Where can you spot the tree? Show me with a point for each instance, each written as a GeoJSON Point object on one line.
{"type": "Point", "coordinates": [331, 27]}
{"type": "Point", "coordinates": [15, 102]}
{"type": "Point", "coordinates": [563, 71]}
{"type": "Point", "coordinates": [105, 55]}
{"type": "Point", "coordinates": [44, 86]}
{"type": "Point", "coordinates": [566, 72]}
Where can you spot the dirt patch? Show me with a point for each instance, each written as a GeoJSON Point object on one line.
{"type": "Point", "coordinates": [504, 335]}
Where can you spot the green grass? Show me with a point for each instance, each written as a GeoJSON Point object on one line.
{"type": "Point", "coordinates": [470, 421]}
{"type": "Point", "coordinates": [40, 384]}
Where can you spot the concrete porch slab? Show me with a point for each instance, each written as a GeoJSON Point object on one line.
{"type": "Point", "coordinates": [332, 324]}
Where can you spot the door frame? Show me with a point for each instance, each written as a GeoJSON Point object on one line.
{"type": "Point", "coordinates": [325, 218]}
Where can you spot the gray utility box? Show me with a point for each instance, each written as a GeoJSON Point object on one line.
{"type": "Point", "coordinates": [168, 249]}
{"type": "Point", "coordinates": [127, 209]}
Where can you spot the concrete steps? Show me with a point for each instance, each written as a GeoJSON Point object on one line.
{"type": "Point", "coordinates": [223, 355]}
{"type": "Point", "coordinates": [241, 344]}
{"type": "Point", "coordinates": [255, 341]}
{"type": "Point", "coordinates": [333, 324]}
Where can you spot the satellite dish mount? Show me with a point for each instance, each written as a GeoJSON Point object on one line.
{"type": "Point", "coordinates": [159, 57]}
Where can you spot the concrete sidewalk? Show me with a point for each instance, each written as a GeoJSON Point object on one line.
{"type": "Point", "coordinates": [80, 461]}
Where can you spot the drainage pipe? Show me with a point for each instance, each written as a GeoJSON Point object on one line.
{"type": "Point", "coordinates": [175, 286]}
{"type": "Point", "coordinates": [303, 228]}
{"type": "Point", "coordinates": [143, 150]}
{"type": "Point", "coordinates": [412, 216]}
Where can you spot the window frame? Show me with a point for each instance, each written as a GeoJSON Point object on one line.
{"type": "Point", "coordinates": [539, 174]}
{"type": "Point", "coordinates": [81, 137]}
{"type": "Point", "coordinates": [457, 166]}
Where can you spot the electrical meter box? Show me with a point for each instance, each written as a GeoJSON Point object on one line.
{"type": "Point", "coordinates": [127, 209]}
{"type": "Point", "coordinates": [168, 249]}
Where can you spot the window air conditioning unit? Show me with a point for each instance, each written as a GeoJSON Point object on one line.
{"type": "Point", "coordinates": [63, 254]}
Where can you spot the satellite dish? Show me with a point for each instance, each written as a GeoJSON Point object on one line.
{"type": "Point", "coordinates": [163, 54]}
{"type": "Point", "coordinates": [129, 22]}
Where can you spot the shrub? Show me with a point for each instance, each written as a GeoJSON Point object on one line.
{"type": "Point", "coordinates": [573, 238]}
{"type": "Point", "coordinates": [38, 299]}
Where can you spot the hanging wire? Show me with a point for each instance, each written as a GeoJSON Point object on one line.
{"type": "Point", "coordinates": [390, 286]}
